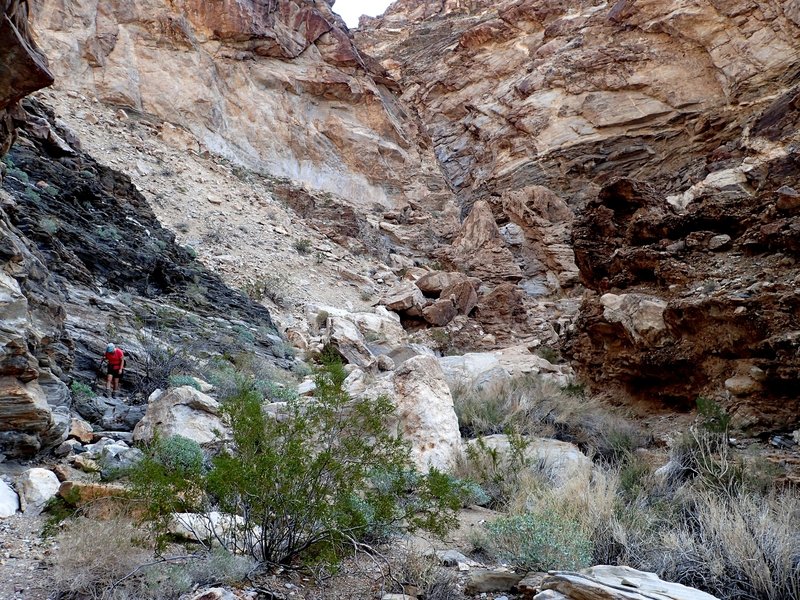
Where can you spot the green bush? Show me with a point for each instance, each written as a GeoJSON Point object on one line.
{"type": "Point", "coordinates": [496, 478]}
{"type": "Point", "coordinates": [321, 478]}
{"type": "Point", "coordinates": [538, 542]}
{"type": "Point", "coordinates": [179, 455]}
{"type": "Point", "coordinates": [81, 390]}
{"type": "Point", "coordinates": [712, 416]}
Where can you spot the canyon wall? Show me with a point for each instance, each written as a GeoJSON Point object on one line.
{"type": "Point", "coordinates": [569, 94]}
{"type": "Point", "coordinates": [666, 136]}
{"type": "Point", "coordinates": [274, 85]}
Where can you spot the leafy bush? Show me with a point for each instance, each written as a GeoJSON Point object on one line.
{"type": "Point", "coordinates": [321, 478]}
{"type": "Point", "coordinates": [538, 542]}
{"type": "Point", "coordinates": [81, 390]}
{"type": "Point", "coordinates": [499, 477]}
{"type": "Point", "coordinates": [179, 455]}
{"type": "Point", "coordinates": [712, 416]}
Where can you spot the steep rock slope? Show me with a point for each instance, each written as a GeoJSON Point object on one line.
{"type": "Point", "coordinates": [669, 129]}
{"type": "Point", "coordinates": [275, 86]}
{"type": "Point", "coordinates": [84, 261]}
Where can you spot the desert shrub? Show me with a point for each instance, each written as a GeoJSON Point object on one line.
{"type": "Point", "coordinates": [276, 287]}
{"type": "Point", "coordinates": [712, 417]}
{"type": "Point", "coordinates": [422, 576]}
{"type": "Point", "coordinates": [706, 459]}
{"type": "Point", "coordinates": [170, 480]}
{"type": "Point", "coordinates": [180, 455]}
{"type": "Point", "coordinates": [533, 405]}
{"type": "Point", "coordinates": [113, 560]}
{"type": "Point", "coordinates": [49, 225]}
{"type": "Point", "coordinates": [157, 364]}
{"type": "Point", "coordinates": [482, 411]}
{"type": "Point", "coordinates": [81, 390]}
{"type": "Point", "coordinates": [498, 475]}
{"type": "Point", "coordinates": [18, 174]}
{"type": "Point", "coordinates": [540, 541]}
{"type": "Point", "coordinates": [182, 380]}
{"type": "Point", "coordinates": [108, 233]}
{"type": "Point", "coordinates": [740, 547]}
{"type": "Point", "coordinates": [551, 355]}
{"type": "Point", "coordinates": [308, 485]}
{"type": "Point", "coordinates": [302, 246]}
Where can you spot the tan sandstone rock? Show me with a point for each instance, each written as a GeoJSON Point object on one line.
{"type": "Point", "coordinates": [425, 414]}
{"type": "Point", "coordinates": [182, 411]}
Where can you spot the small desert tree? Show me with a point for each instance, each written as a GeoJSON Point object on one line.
{"type": "Point", "coordinates": [324, 475]}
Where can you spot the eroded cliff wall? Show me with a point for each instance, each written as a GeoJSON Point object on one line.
{"type": "Point", "coordinates": [567, 94]}
{"type": "Point", "coordinates": [274, 85]}
{"type": "Point", "coordinates": [670, 131]}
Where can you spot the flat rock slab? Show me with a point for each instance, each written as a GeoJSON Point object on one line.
{"type": "Point", "coordinates": [484, 580]}
{"type": "Point", "coordinates": [616, 583]}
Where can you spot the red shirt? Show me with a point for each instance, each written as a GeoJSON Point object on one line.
{"type": "Point", "coordinates": [115, 359]}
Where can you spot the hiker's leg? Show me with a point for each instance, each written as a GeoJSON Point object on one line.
{"type": "Point", "coordinates": [108, 381]}
{"type": "Point", "coordinates": [116, 383]}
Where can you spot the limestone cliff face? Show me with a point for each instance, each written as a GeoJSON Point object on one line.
{"type": "Point", "coordinates": [665, 135]}
{"type": "Point", "coordinates": [569, 94]}
{"type": "Point", "coordinates": [275, 85]}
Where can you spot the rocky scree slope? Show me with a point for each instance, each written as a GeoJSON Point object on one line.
{"type": "Point", "coordinates": [86, 261]}
{"type": "Point", "coordinates": [277, 87]}
{"type": "Point", "coordinates": [668, 130]}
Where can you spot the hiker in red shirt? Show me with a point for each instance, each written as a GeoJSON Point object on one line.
{"type": "Point", "coordinates": [116, 364]}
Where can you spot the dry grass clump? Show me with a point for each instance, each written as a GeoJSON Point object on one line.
{"type": "Point", "coordinates": [421, 576]}
{"type": "Point", "coordinates": [93, 555]}
{"type": "Point", "coordinates": [114, 560]}
{"type": "Point", "coordinates": [534, 405]}
{"type": "Point", "coordinates": [710, 519]}
{"type": "Point", "coordinates": [744, 546]}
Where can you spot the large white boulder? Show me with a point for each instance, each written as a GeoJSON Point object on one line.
{"type": "Point", "coordinates": [347, 338]}
{"type": "Point", "coordinates": [35, 487]}
{"type": "Point", "coordinates": [605, 582]}
{"type": "Point", "coordinates": [182, 411]}
{"type": "Point", "coordinates": [425, 414]}
{"type": "Point", "coordinates": [563, 461]}
{"type": "Point", "coordinates": [214, 527]}
{"type": "Point", "coordinates": [358, 336]}
{"type": "Point", "coordinates": [9, 501]}
{"type": "Point", "coordinates": [492, 371]}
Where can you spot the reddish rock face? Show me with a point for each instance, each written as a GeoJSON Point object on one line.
{"type": "Point", "coordinates": [728, 317]}
{"type": "Point", "coordinates": [669, 129]}
{"type": "Point", "coordinates": [23, 68]}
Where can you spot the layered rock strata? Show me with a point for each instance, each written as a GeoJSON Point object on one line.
{"type": "Point", "coordinates": [569, 94]}
{"type": "Point", "coordinates": [669, 129]}
{"type": "Point", "coordinates": [275, 86]}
